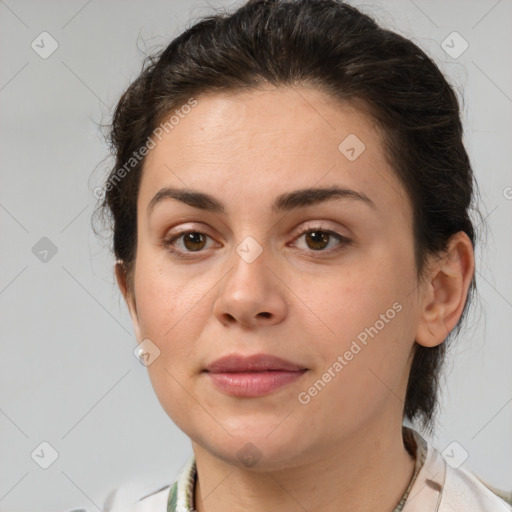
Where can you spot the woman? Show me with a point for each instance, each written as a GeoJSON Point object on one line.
{"type": "Point", "coordinates": [290, 206]}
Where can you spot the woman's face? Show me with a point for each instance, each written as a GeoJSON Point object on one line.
{"type": "Point", "coordinates": [324, 281]}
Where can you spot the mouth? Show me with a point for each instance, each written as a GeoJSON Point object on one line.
{"type": "Point", "coordinates": [253, 384]}
{"type": "Point", "coordinates": [252, 376]}
{"type": "Point", "coordinates": [237, 363]}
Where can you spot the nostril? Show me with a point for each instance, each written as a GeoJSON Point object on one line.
{"type": "Point", "coordinates": [265, 314]}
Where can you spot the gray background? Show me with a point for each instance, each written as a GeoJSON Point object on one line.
{"type": "Point", "coordinates": [67, 372]}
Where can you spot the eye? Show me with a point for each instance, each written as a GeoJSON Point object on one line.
{"type": "Point", "coordinates": [191, 241]}
{"type": "Point", "coordinates": [317, 238]}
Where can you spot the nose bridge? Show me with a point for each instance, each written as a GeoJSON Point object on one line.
{"type": "Point", "coordinates": [249, 260]}
{"type": "Point", "coordinates": [251, 290]}
{"type": "Point", "coordinates": [250, 250]}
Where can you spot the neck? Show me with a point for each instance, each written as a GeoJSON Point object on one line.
{"type": "Point", "coordinates": [368, 472]}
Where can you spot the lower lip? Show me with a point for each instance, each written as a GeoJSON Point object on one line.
{"type": "Point", "coordinates": [253, 384]}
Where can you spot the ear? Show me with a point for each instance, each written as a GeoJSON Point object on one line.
{"type": "Point", "coordinates": [122, 283]}
{"type": "Point", "coordinates": [445, 291]}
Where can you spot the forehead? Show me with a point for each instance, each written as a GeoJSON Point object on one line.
{"type": "Point", "coordinates": [259, 144]}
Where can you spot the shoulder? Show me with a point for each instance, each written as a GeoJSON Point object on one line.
{"type": "Point", "coordinates": [169, 498]}
{"type": "Point", "coordinates": [127, 499]}
{"type": "Point", "coordinates": [464, 490]}
{"type": "Point", "coordinates": [444, 488]}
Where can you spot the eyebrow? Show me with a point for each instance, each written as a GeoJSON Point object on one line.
{"type": "Point", "coordinates": [283, 203]}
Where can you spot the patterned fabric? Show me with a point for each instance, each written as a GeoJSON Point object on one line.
{"type": "Point", "coordinates": [418, 448]}
{"type": "Point", "coordinates": [181, 494]}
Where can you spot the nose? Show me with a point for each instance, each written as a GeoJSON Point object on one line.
{"type": "Point", "coordinates": [251, 294]}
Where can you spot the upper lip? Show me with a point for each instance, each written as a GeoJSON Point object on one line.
{"type": "Point", "coordinates": [253, 363]}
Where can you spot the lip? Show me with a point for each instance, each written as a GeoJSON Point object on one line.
{"type": "Point", "coordinates": [252, 376]}
{"type": "Point", "coordinates": [253, 363]}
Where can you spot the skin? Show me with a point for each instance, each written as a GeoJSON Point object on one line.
{"type": "Point", "coordinates": [292, 301]}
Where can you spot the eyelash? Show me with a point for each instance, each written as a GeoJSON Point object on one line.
{"type": "Point", "coordinates": [344, 241]}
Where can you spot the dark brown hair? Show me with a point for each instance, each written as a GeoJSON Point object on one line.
{"type": "Point", "coordinates": [342, 52]}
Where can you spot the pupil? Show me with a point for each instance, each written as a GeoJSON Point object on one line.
{"type": "Point", "coordinates": [194, 239]}
{"type": "Point", "coordinates": [321, 238]}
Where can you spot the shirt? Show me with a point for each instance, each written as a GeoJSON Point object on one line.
{"type": "Point", "coordinates": [435, 486]}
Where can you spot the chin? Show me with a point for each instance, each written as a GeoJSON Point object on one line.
{"type": "Point", "coordinates": [258, 446]}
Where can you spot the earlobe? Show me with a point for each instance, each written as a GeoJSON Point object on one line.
{"type": "Point", "coordinates": [122, 283]}
{"type": "Point", "coordinates": [446, 291]}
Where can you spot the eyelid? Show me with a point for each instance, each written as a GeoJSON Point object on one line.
{"type": "Point", "coordinates": [316, 226]}
{"type": "Point", "coordinates": [168, 240]}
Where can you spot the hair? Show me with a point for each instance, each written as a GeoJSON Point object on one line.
{"type": "Point", "coordinates": [338, 50]}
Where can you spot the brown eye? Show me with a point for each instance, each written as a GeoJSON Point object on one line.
{"type": "Point", "coordinates": [187, 242]}
{"type": "Point", "coordinates": [194, 241]}
{"type": "Point", "coordinates": [317, 240]}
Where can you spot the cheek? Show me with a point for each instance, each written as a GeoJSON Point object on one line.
{"type": "Point", "coordinates": [356, 380]}
{"type": "Point", "coordinates": [348, 307]}
{"type": "Point", "coordinates": [172, 313]}
{"type": "Point", "coordinates": [164, 299]}
{"type": "Point", "coordinates": [364, 333]}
